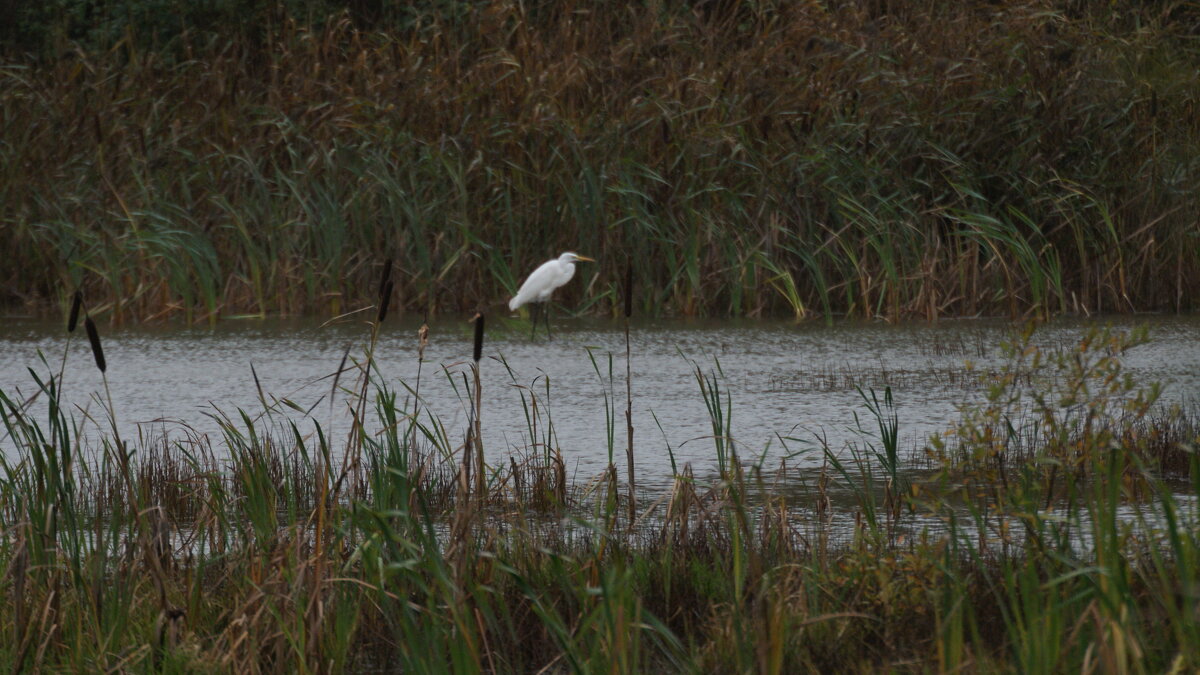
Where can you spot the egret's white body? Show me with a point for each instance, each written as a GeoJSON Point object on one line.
{"type": "Point", "coordinates": [547, 278]}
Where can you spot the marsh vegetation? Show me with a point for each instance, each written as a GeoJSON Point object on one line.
{"type": "Point", "coordinates": [868, 159]}
{"type": "Point", "coordinates": [861, 160]}
{"type": "Point", "coordinates": [1051, 528]}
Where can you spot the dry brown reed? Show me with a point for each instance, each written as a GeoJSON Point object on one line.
{"type": "Point", "coordinates": [881, 160]}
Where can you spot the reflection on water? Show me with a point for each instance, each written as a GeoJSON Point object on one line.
{"type": "Point", "coordinates": [788, 383]}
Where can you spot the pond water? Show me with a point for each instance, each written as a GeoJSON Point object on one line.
{"type": "Point", "coordinates": [788, 383]}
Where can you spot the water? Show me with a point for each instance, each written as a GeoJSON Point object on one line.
{"type": "Point", "coordinates": [788, 383]}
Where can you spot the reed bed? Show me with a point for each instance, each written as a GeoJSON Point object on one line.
{"type": "Point", "coordinates": [1052, 529]}
{"type": "Point", "coordinates": [864, 158]}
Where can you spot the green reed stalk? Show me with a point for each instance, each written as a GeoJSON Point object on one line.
{"type": "Point", "coordinates": [72, 323]}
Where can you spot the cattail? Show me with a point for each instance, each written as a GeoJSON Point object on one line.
{"type": "Point", "coordinates": [629, 393]}
{"type": "Point", "coordinates": [385, 297]}
{"type": "Point", "coordinates": [386, 279]}
{"type": "Point", "coordinates": [478, 336]}
{"type": "Point", "coordinates": [76, 303]}
{"type": "Point", "coordinates": [422, 340]}
{"type": "Point", "coordinates": [629, 290]}
{"type": "Point", "coordinates": [94, 339]}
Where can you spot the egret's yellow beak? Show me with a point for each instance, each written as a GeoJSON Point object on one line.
{"type": "Point", "coordinates": [584, 258]}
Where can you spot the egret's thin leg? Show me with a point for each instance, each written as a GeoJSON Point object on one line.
{"type": "Point", "coordinates": [533, 312]}
{"type": "Point", "coordinates": [548, 335]}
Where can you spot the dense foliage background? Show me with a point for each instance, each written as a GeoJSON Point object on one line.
{"type": "Point", "coordinates": [746, 158]}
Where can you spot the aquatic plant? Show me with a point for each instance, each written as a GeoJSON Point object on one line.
{"type": "Point", "coordinates": [1056, 532]}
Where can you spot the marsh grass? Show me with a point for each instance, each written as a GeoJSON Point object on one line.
{"type": "Point", "coordinates": [869, 159]}
{"type": "Point", "coordinates": [1052, 529]}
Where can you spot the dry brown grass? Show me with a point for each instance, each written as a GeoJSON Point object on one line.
{"type": "Point", "coordinates": [872, 158]}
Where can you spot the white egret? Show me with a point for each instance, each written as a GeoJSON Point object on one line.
{"type": "Point", "coordinates": [543, 282]}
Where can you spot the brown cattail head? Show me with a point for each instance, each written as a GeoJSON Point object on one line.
{"type": "Point", "coordinates": [94, 339]}
{"type": "Point", "coordinates": [422, 340]}
{"type": "Point", "coordinates": [385, 280]}
{"type": "Point", "coordinates": [385, 297]}
{"type": "Point", "coordinates": [76, 304]}
{"type": "Point", "coordinates": [629, 290]}
{"type": "Point", "coordinates": [478, 336]}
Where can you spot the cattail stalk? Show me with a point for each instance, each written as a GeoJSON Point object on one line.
{"type": "Point", "coordinates": [422, 342]}
{"type": "Point", "coordinates": [480, 482]}
{"type": "Point", "coordinates": [72, 324]}
{"type": "Point", "coordinates": [98, 354]}
{"type": "Point", "coordinates": [628, 291]}
{"type": "Point", "coordinates": [122, 456]}
{"type": "Point", "coordinates": [629, 395]}
{"type": "Point", "coordinates": [350, 461]}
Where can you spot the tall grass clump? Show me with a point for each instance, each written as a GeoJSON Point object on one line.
{"type": "Point", "coordinates": [1052, 528]}
{"type": "Point", "coordinates": [873, 159]}
{"type": "Point", "coordinates": [1062, 506]}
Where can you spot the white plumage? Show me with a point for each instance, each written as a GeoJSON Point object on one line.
{"type": "Point", "coordinates": [547, 278]}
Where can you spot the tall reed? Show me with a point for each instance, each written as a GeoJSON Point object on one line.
{"type": "Point", "coordinates": [1054, 531]}
{"type": "Point", "coordinates": [878, 161]}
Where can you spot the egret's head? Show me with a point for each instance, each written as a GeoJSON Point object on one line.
{"type": "Point", "coordinates": [569, 257]}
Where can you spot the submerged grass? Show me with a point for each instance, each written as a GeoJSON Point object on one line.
{"type": "Point", "coordinates": [747, 158]}
{"type": "Point", "coordinates": [1055, 531]}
